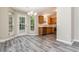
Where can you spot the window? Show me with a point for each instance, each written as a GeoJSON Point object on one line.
{"type": "Point", "coordinates": [22, 23]}
{"type": "Point", "coordinates": [32, 23]}
{"type": "Point", "coordinates": [10, 23]}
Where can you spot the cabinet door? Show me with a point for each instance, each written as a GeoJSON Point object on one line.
{"type": "Point", "coordinates": [52, 30]}
{"type": "Point", "coordinates": [51, 21]}
{"type": "Point", "coordinates": [40, 30]}
{"type": "Point", "coordinates": [41, 19]}
{"type": "Point", "coordinates": [44, 30]}
{"type": "Point", "coordinates": [48, 30]}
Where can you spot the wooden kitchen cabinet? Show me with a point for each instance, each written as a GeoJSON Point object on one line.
{"type": "Point", "coordinates": [42, 30]}
{"type": "Point", "coordinates": [46, 30]}
{"type": "Point", "coordinates": [40, 19]}
{"type": "Point", "coordinates": [50, 30]}
{"type": "Point", "coordinates": [52, 21]}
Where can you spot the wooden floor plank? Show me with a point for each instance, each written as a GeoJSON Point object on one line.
{"type": "Point", "coordinates": [31, 43]}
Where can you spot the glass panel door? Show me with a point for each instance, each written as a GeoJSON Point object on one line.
{"type": "Point", "coordinates": [32, 23]}
{"type": "Point", "coordinates": [10, 23]}
{"type": "Point", "coordinates": [22, 24]}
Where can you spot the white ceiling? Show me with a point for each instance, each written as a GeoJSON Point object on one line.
{"type": "Point", "coordinates": [39, 10]}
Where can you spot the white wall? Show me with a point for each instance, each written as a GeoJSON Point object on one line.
{"type": "Point", "coordinates": [3, 22]}
{"type": "Point", "coordinates": [64, 24]}
{"type": "Point", "coordinates": [76, 24]}
{"type": "Point", "coordinates": [72, 24]}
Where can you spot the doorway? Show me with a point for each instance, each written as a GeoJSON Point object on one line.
{"type": "Point", "coordinates": [47, 24]}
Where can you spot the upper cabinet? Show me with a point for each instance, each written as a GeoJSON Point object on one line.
{"type": "Point", "coordinates": [51, 20]}
{"type": "Point", "coordinates": [41, 19]}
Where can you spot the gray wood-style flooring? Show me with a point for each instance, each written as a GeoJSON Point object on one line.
{"type": "Point", "coordinates": [29, 43]}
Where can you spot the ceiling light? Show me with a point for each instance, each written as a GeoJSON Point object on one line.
{"type": "Point", "coordinates": [28, 13]}
{"type": "Point", "coordinates": [32, 13]}
{"type": "Point", "coordinates": [35, 14]}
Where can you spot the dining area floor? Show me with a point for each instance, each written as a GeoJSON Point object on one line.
{"type": "Point", "coordinates": [35, 43]}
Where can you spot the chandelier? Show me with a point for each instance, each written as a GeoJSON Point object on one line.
{"type": "Point", "coordinates": [32, 13]}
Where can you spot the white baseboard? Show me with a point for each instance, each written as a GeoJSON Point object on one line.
{"type": "Point", "coordinates": [9, 38]}
{"type": "Point", "coordinates": [3, 40]}
{"type": "Point", "coordinates": [70, 43]}
{"type": "Point", "coordinates": [32, 34]}
{"type": "Point", "coordinates": [76, 40]}
{"type": "Point", "coordinates": [6, 39]}
{"type": "Point", "coordinates": [21, 34]}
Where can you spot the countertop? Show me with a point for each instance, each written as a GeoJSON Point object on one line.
{"type": "Point", "coordinates": [54, 25]}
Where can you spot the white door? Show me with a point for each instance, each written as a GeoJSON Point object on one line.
{"type": "Point", "coordinates": [22, 26]}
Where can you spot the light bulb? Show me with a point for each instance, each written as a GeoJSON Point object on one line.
{"type": "Point", "coordinates": [28, 13]}
{"type": "Point", "coordinates": [35, 14]}
{"type": "Point", "coordinates": [31, 12]}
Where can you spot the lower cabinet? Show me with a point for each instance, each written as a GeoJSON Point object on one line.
{"type": "Point", "coordinates": [42, 30]}
{"type": "Point", "coordinates": [46, 30]}
{"type": "Point", "coordinates": [50, 30]}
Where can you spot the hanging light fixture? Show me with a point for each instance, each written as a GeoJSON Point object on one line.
{"type": "Point", "coordinates": [35, 13]}
{"type": "Point", "coordinates": [32, 13]}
